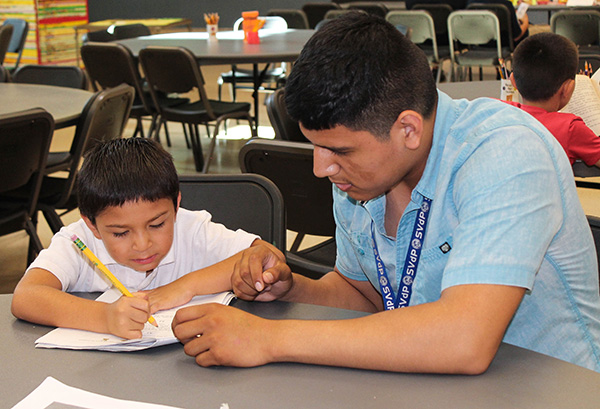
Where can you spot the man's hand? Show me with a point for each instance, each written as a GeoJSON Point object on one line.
{"type": "Point", "coordinates": [261, 274]}
{"type": "Point", "coordinates": [126, 317]}
{"type": "Point", "coordinates": [216, 334]}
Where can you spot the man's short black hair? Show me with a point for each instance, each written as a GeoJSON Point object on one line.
{"type": "Point", "coordinates": [359, 71]}
{"type": "Point", "coordinates": [542, 63]}
{"type": "Point", "coordinates": [124, 170]}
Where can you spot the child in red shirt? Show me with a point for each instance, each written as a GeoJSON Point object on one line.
{"type": "Point", "coordinates": [544, 69]}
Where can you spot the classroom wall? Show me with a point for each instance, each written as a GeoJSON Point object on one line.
{"type": "Point", "coordinates": [229, 10]}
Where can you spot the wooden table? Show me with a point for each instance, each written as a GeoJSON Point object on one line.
{"type": "Point", "coordinates": [517, 378]}
{"type": "Point", "coordinates": [64, 104]}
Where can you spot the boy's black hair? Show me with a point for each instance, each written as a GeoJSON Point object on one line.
{"type": "Point", "coordinates": [542, 63]}
{"type": "Point", "coordinates": [359, 71]}
{"type": "Point", "coordinates": [123, 170]}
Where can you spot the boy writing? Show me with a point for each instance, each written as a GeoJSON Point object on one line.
{"type": "Point", "coordinates": [128, 193]}
{"type": "Point", "coordinates": [544, 69]}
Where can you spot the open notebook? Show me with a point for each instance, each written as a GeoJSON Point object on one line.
{"type": "Point", "coordinates": [66, 338]}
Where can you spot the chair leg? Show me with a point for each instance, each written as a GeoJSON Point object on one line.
{"type": "Point", "coordinates": [53, 219]}
{"type": "Point", "coordinates": [35, 244]}
{"type": "Point", "coordinates": [199, 162]}
{"type": "Point", "coordinates": [211, 147]}
{"type": "Point", "coordinates": [138, 128]}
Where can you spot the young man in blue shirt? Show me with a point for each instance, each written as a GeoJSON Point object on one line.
{"type": "Point", "coordinates": [465, 213]}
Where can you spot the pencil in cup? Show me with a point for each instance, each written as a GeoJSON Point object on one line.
{"type": "Point", "coordinates": [114, 280]}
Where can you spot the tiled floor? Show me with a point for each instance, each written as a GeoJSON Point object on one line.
{"type": "Point", "coordinates": [13, 247]}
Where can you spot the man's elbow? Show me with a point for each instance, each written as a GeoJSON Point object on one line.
{"type": "Point", "coordinates": [474, 359]}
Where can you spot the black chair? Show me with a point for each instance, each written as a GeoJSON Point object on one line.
{"type": "Point", "coordinates": [308, 200]}
{"type": "Point", "coordinates": [61, 76]}
{"type": "Point", "coordinates": [315, 12]}
{"type": "Point", "coordinates": [284, 126]}
{"type": "Point", "coordinates": [595, 227]}
{"type": "Point", "coordinates": [103, 118]}
{"type": "Point", "coordinates": [131, 31]}
{"type": "Point", "coordinates": [373, 8]}
{"type": "Point", "coordinates": [6, 31]}
{"type": "Point", "coordinates": [19, 36]}
{"type": "Point", "coordinates": [98, 36]}
{"type": "Point", "coordinates": [4, 74]}
{"type": "Point", "coordinates": [262, 211]}
{"type": "Point", "coordinates": [242, 78]}
{"type": "Point", "coordinates": [176, 70]}
{"type": "Point", "coordinates": [24, 144]}
{"type": "Point", "coordinates": [294, 18]}
{"type": "Point", "coordinates": [123, 69]}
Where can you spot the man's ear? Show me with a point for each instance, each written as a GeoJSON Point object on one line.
{"type": "Point", "coordinates": [409, 125]}
{"type": "Point", "coordinates": [92, 227]}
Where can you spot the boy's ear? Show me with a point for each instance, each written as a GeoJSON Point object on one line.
{"type": "Point", "coordinates": [178, 203]}
{"type": "Point", "coordinates": [92, 227]}
{"type": "Point", "coordinates": [409, 125]}
{"type": "Point", "coordinates": [512, 80]}
{"type": "Point", "coordinates": [567, 89]}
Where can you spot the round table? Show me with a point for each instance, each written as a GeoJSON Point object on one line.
{"type": "Point", "coordinates": [64, 104]}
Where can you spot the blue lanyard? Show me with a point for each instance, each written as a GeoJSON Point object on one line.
{"type": "Point", "coordinates": [390, 300]}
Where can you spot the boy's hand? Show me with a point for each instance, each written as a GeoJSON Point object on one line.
{"type": "Point", "coordinates": [261, 274]}
{"type": "Point", "coordinates": [217, 334]}
{"type": "Point", "coordinates": [126, 317]}
{"type": "Point", "coordinates": [168, 296]}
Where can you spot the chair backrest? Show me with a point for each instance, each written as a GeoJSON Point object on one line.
{"type": "Point", "coordinates": [315, 12]}
{"type": "Point", "coordinates": [239, 201]}
{"type": "Point", "coordinates": [173, 70]}
{"type": "Point", "coordinates": [308, 199]}
{"type": "Point", "coordinates": [294, 18]}
{"type": "Point", "coordinates": [103, 118]}
{"type": "Point", "coordinates": [595, 227]}
{"type": "Point", "coordinates": [6, 31]}
{"type": "Point", "coordinates": [284, 126]}
{"type": "Point", "coordinates": [373, 8]}
{"type": "Point", "coordinates": [24, 144]}
{"type": "Point", "coordinates": [131, 31]}
{"type": "Point", "coordinates": [504, 18]}
{"type": "Point", "coordinates": [17, 42]}
{"type": "Point", "coordinates": [580, 26]}
{"type": "Point", "coordinates": [99, 36]}
{"type": "Point", "coordinates": [121, 70]}
{"type": "Point", "coordinates": [421, 24]}
{"type": "Point", "coordinates": [439, 13]}
{"type": "Point", "coordinates": [271, 23]}
{"type": "Point", "coordinates": [61, 76]}
{"type": "Point", "coordinates": [474, 27]}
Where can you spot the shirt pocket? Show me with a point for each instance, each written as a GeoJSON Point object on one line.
{"type": "Point", "coordinates": [428, 283]}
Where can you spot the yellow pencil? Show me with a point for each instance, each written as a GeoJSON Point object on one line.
{"type": "Point", "coordinates": [84, 249]}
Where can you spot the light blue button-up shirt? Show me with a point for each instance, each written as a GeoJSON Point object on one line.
{"type": "Point", "coordinates": [505, 211]}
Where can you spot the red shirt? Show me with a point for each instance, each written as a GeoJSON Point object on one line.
{"type": "Point", "coordinates": [578, 141]}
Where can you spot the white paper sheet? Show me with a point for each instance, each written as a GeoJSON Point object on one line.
{"type": "Point", "coordinates": [66, 338]}
{"type": "Point", "coordinates": [53, 394]}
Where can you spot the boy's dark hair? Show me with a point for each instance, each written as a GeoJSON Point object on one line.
{"type": "Point", "coordinates": [542, 63]}
{"type": "Point", "coordinates": [359, 71]}
{"type": "Point", "coordinates": [123, 170]}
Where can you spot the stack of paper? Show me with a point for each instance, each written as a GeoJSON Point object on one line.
{"type": "Point", "coordinates": [66, 338]}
